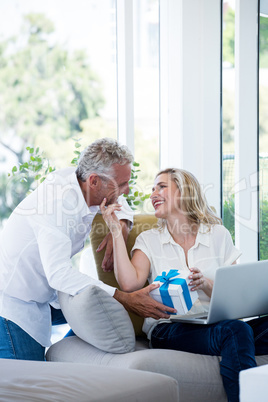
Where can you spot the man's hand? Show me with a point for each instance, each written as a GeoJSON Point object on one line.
{"type": "Point", "coordinates": [142, 304]}
{"type": "Point", "coordinates": [108, 260]}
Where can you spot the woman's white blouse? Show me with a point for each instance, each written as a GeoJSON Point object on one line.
{"type": "Point", "coordinates": [212, 249]}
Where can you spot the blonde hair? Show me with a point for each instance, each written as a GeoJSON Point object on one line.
{"type": "Point", "coordinates": [192, 199]}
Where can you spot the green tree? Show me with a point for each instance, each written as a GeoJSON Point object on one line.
{"type": "Point", "coordinates": [228, 216]}
{"type": "Point", "coordinates": [45, 92]}
{"type": "Point", "coordinates": [228, 52]}
{"type": "Point", "coordinates": [263, 42]}
{"type": "Point", "coordinates": [45, 89]}
{"type": "Point", "coordinates": [263, 230]}
{"type": "Point", "coordinates": [228, 38]}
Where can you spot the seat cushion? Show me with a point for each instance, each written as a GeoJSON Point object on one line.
{"type": "Point", "coordinates": [198, 376]}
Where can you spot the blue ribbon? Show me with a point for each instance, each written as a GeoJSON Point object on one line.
{"type": "Point", "coordinates": [167, 279]}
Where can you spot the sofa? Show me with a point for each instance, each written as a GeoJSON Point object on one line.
{"type": "Point", "coordinates": [70, 382]}
{"type": "Point", "coordinates": [198, 376]}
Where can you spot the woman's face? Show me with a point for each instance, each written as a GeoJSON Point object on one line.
{"type": "Point", "coordinates": [165, 196]}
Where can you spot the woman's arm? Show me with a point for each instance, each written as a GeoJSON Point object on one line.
{"type": "Point", "coordinates": [130, 275]}
{"type": "Point", "coordinates": [107, 243]}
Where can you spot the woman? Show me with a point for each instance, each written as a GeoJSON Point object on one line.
{"type": "Point", "coordinates": [190, 238]}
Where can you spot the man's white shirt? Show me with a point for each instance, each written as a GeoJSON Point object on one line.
{"type": "Point", "coordinates": [42, 234]}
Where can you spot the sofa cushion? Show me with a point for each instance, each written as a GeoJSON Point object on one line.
{"type": "Point", "coordinates": [99, 319]}
{"type": "Point", "coordinates": [98, 232]}
{"type": "Point", "coordinates": [198, 376]}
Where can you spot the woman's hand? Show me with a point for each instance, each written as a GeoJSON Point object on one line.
{"type": "Point", "coordinates": [107, 244]}
{"type": "Point", "coordinates": [108, 214]}
{"type": "Point", "coordinates": [200, 282]}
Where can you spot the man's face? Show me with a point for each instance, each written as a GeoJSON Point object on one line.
{"type": "Point", "coordinates": [116, 184]}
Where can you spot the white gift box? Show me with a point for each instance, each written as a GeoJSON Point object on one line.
{"type": "Point", "coordinates": [180, 294]}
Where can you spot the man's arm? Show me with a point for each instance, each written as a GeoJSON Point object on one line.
{"type": "Point", "coordinates": [108, 260]}
{"type": "Point", "coordinates": [142, 304]}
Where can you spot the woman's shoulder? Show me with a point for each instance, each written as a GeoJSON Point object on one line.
{"type": "Point", "coordinates": [148, 240]}
{"type": "Point", "coordinates": [149, 234]}
{"type": "Point", "coordinates": [218, 228]}
{"type": "Point", "coordinates": [219, 231]}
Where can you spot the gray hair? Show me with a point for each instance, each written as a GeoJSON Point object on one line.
{"type": "Point", "coordinates": [99, 156]}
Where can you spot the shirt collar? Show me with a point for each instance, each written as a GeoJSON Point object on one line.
{"type": "Point", "coordinates": [203, 236]}
{"type": "Point", "coordinates": [165, 236]}
{"type": "Point", "coordinates": [86, 212]}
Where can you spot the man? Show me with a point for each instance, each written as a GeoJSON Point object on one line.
{"type": "Point", "coordinates": [42, 234]}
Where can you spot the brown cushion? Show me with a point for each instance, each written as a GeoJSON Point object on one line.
{"type": "Point", "coordinates": [98, 232]}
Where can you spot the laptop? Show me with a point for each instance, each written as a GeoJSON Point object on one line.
{"type": "Point", "coordinates": [239, 291]}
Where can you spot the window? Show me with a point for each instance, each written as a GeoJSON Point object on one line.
{"type": "Point", "coordinates": [263, 130]}
{"type": "Point", "coordinates": [228, 114]}
{"type": "Point", "coordinates": [59, 77]}
{"type": "Point", "coordinates": [123, 69]}
{"type": "Point", "coordinates": [146, 91]}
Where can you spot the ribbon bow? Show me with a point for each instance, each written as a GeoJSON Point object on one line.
{"type": "Point", "coordinates": [167, 279]}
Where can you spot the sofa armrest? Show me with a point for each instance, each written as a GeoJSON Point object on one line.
{"type": "Point", "coordinates": [63, 382]}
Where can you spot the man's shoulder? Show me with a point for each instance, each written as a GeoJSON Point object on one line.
{"type": "Point", "coordinates": [61, 187]}
{"type": "Point", "coordinates": [61, 175]}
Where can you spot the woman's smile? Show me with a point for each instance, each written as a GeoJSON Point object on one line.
{"type": "Point", "coordinates": [157, 203]}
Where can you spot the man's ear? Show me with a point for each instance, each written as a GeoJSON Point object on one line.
{"type": "Point", "coordinates": [94, 180]}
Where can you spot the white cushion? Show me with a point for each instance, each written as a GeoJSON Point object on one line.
{"type": "Point", "coordinates": [254, 384]}
{"type": "Point", "coordinates": [99, 319]}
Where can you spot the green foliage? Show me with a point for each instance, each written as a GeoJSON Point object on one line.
{"type": "Point", "coordinates": [228, 51]}
{"type": "Point", "coordinates": [263, 42]}
{"type": "Point", "coordinates": [263, 117]}
{"type": "Point", "coordinates": [35, 168]}
{"type": "Point", "coordinates": [229, 223]}
{"type": "Point", "coordinates": [263, 244]}
{"type": "Point", "coordinates": [46, 90]}
{"type": "Point", "coordinates": [228, 101]}
{"type": "Point", "coordinates": [77, 153]}
{"type": "Point", "coordinates": [228, 216]}
{"type": "Point", "coordinates": [6, 202]}
{"type": "Point", "coordinates": [228, 38]}
{"type": "Point", "coordinates": [23, 179]}
{"type": "Point", "coordinates": [135, 198]}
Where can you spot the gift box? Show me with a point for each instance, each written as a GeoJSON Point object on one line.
{"type": "Point", "coordinates": [174, 291]}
